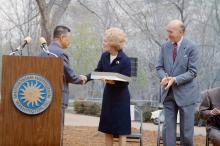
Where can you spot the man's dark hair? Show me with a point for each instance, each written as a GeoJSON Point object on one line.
{"type": "Point", "coordinates": [60, 30]}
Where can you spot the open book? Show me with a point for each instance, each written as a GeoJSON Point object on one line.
{"type": "Point", "coordinates": [110, 76]}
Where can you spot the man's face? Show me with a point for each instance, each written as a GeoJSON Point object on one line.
{"type": "Point", "coordinates": [174, 33]}
{"type": "Point", "coordinates": [65, 40]}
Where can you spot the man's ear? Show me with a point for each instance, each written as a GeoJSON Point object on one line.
{"type": "Point", "coordinates": [61, 37]}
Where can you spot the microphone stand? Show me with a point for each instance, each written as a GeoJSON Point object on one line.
{"type": "Point", "coordinates": [18, 51]}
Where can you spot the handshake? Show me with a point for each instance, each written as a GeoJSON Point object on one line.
{"type": "Point", "coordinates": [167, 82]}
{"type": "Point", "coordinates": [83, 79]}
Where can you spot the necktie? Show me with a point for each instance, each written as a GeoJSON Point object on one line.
{"type": "Point", "coordinates": [174, 51]}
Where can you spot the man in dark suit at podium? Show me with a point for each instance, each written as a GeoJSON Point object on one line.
{"type": "Point", "coordinates": [61, 41]}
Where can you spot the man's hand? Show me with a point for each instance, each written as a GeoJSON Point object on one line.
{"type": "Point", "coordinates": [215, 112]}
{"type": "Point", "coordinates": [164, 81]}
{"type": "Point", "coordinates": [167, 82]}
{"type": "Point", "coordinates": [83, 79]}
{"type": "Point", "coordinates": [171, 82]}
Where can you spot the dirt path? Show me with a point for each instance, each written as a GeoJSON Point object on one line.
{"type": "Point", "coordinates": [89, 136]}
{"type": "Point", "coordinates": [82, 120]}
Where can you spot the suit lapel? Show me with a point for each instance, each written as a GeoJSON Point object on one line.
{"type": "Point", "coordinates": [180, 53]}
{"type": "Point", "coordinates": [170, 52]}
{"type": "Point", "coordinates": [116, 61]}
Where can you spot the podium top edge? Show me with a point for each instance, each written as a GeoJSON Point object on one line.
{"type": "Point", "coordinates": [45, 57]}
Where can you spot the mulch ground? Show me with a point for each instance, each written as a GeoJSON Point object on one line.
{"type": "Point", "coordinates": [89, 136]}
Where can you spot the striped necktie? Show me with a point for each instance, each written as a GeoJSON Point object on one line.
{"type": "Point", "coordinates": [174, 51]}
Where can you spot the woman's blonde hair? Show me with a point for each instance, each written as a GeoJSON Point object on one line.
{"type": "Point", "coordinates": [115, 37]}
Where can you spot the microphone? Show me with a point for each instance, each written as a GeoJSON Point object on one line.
{"type": "Point", "coordinates": [43, 43]}
{"type": "Point", "coordinates": [44, 46]}
{"type": "Point", "coordinates": [27, 40]}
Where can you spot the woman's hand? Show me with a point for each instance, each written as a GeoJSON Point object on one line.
{"type": "Point", "coordinates": [112, 82]}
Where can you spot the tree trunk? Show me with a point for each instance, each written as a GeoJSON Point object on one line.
{"type": "Point", "coordinates": [47, 20]}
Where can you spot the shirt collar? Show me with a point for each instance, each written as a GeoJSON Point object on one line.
{"type": "Point", "coordinates": [119, 55]}
{"type": "Point", "coordinates": [54, 43]}
{"type": "Point", "coordinates": [179, 43]}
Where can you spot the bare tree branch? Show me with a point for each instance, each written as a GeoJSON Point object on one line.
{"type": "Point", "coordinates": [91, 11]}
{"type": "Point", "coordinates": [59, 13]}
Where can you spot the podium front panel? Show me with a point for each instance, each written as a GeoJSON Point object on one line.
{"type": "Point", "coordinates": [21, 129]}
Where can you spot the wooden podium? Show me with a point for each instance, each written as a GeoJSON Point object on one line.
{"type": "Point", "coordinates": [18, 128]}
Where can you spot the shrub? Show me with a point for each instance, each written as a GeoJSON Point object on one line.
{"type": "Point", "coordinates": [198, 122]}
{"type": "Point", "coordinates": [87, 108]}
{"type": "Point", "coordinates": [147, 113]}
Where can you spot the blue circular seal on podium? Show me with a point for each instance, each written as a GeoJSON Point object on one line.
{"type": "Point", "coordinates": [32, 94]}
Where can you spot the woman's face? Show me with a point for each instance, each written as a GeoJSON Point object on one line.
{"type": "Point", "coordinates": [105, 45]}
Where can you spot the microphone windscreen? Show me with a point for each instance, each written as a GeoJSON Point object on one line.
{"type": "Point", "coordinates": [42, 40]}
{"type": "Point", "coordinates": [28, 40]}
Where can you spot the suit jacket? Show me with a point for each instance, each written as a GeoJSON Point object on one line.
{"type": "Point", "coordinates": [184, 69]}
{"type": "Point", "coordinates": [69, 74]}
{"type": "Point", "coordinates": [121, 64]}
{"type": "Point", "coordinates": [211, 100]}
